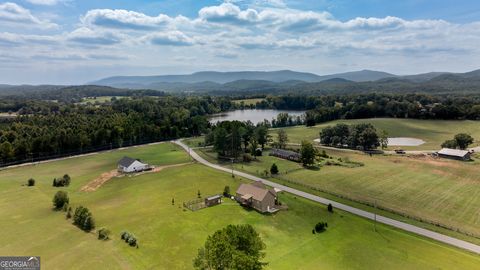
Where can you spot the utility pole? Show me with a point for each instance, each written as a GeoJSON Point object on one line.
{"type": "Point", "coordinates": [375, 215]}
{"type": "Point", "coordinates": [233, 176]}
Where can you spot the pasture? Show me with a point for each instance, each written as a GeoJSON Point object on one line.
{"type": "Point", "coordinates": [433, 132]}
{"type": "Point", "coordinates": [169, 236]}
{"type": "Point", "coordinates": [248, 101]}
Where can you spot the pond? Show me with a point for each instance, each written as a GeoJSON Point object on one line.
{"type": "Point", "coordinates": [404, 141]}
{"type": "Point", "coordinates": [254, 115]}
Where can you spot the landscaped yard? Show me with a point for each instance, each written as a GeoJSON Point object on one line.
{"type": "Point", "coordinates": [170, 236]}
{"type": "Point", "coordinates": [433, 132]}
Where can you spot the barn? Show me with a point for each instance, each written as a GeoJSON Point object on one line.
{"type": "Point", "coordinates": [129, 165]}
{"type": "Point", "coordinates": [454, 154]}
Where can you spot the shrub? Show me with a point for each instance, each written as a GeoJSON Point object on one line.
{"type": "Point", "coordinates": [104, 234]}
{"type": "Point", "coordinates": [247, 158]}
{"type": "Point", "coordinates": [274, 169]}
{"type": "Point", "coordinates": [321, 227]}
{"type": "Point", "coordinates": [226, 191]}
{"type": "Point", "coordinates": [125, 235]}
{"type": "Point", "coordinates": [132, 241]}
{"type": "Point", "coordinates": [62, 182]}
{"type": "Point", "coordinates": [60, 199]}
{"type": "Point", "coordinates": [83, 219]}
{"type": "Point", "coordinates": [330, 208]}
{"type": "Point", "coordinates": [313, 231]}
{"type": "Point", "coordinates": [31, 182]}
{"type": "Point", "coordinates": [258, 152]}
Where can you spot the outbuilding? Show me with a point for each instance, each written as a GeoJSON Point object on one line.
{"type": "Point", "coordinates": [286, 154]}
{"type": "Point", "coordinates": [213, 200]}
{"type": "Point", "coordinates": [454, 154]}
{"type": "Point", "coordinates": [129, 165]}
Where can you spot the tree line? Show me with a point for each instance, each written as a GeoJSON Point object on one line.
{"type": "Point", "coordinates": [70, 128]}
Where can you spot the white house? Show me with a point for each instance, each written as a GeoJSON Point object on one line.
{"type": "Point", "coordinates": [128, 165]}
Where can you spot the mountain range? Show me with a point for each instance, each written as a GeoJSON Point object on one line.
{"type": "Point", "coordinates": [270, 80]}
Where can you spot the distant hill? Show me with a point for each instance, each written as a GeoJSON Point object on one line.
{"type": "Point", "coordinates": [156, 82]}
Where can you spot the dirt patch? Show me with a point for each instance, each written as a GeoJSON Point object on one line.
{"type": "Point", "coordinates": [105, 177]}
{"type": "Point", "coordinates": [98, 182]}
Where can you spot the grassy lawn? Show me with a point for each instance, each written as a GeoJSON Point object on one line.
{"type": "Point", "coordinates": [170, 236]}
{"type": "Point", "coordinates": [102, 99]}
{"type": "Point", "coordinates": [433, 132]}
{"type": "Point", "coordinates": [438, 190]}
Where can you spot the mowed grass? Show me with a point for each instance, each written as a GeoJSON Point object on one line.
{"type": "Point", "coordinates": [433, 132]}
{"type": "Point", "coordinates": [170, 236]}
{"type": "Point", "coordinates": [248, 101]}
{"type": "Point", "coordinates": [438, 190]}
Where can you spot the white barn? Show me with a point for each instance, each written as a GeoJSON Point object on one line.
{"type": "Point", "coordinates": [129, 165]}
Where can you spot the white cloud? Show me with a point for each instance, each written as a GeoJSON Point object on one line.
{"type": "Point", "coordinates": [11, 13]}
{"type": "Point", "coordinates": [124, 19]}
{"type": "Point", "coordinates": [44, 2]}
{"type": "Point", "coordinates": [88, 37]}
{"type": "Point", "coordinates": [173, 38]}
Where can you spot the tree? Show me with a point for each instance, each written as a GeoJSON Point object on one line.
{"type": "Point", "coordinates": [83, 219]}
{"type": "Point", "coordinates": [383, 139]}
{"type": "Point", "coordinates": [307, 153]}
{"type": "Point", "coordinates": [6, 151]}
{"type": "Point", "coordinates": [60, 199]}
{"type": "Point", "coordinates": [235, 247]}
{"type": "Point", "coordinates": [330, 208]}
{"type": "Point", "coordinates": [450, 144]}
{"type": "Point", "coordinates": [321, 227]}
{"type": "Point", "coordinates": [261, 135]}
{"type": "Point", "coordinates": [274, 169]}
{"type": "Point", "coordinates": [31, 182]}
{"type": "Point", "coordinates": [369, 139]}
{"type": "Point", "coordinates": [226, 191]}
{"type": "Point", "coordinates": [253, 147]}
{"type": "Point", "coordinates": [282, 139]}
{"type": "Point", "coordinates": [220, 140]}
{"type": "Point", "coordinates": [463, 140]}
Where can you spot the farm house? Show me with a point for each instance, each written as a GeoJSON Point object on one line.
{"type": "Point", "coordinates": [129, 165]}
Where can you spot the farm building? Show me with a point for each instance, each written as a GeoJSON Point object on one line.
{"type": "Point", "coordinates": [213, 200]}
{"type": "Point", "coordinates": [285, 154]}
{"type": "Point", "coordinates": [129, 165]}
{"type": "Point", "coordinates": [454, 154]}
{"type": "Point", "coordinates": [258, 197]}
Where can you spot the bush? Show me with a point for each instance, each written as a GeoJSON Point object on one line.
{"type": "Point", "coordinates": [258, 152]}
{"type": "Point", "coordinates": [226, 191]}
{"type": "Point", "coordinates": [274, 169]}
{"type": "Point", "coordinates": [132, 241]}
{"type": "Point", "coordinates": [64, 181]}
{"type": "Point", "coordinates": [60, 199]}
{"type": "Point", "coordinates": [31, 182]}
{"type": "Point", "coordinates": [247, 158]}
{"type": "Point", "coordinates": [129, 238]}
{"type": "Point", "coordinates": [321, 227]}
{"type": "Point", "coordinates": [125, 235]}
{"type": "Point", "coordinates": [83, 219]}
{"type": "Point", "coordinates": [330, 208]}
{"type": "Point", "coordinates": [104, 234]}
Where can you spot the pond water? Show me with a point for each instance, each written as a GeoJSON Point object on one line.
{"type": "Point", "coordinates": [404, 141]}
{"type": "Point", "coordinates": [256, 116]}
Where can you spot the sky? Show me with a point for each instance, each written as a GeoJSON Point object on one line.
{"type": "Point", "coordinates": [80, 41]}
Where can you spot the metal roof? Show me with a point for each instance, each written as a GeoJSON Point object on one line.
{"type": "Point", "coordinates": [453, 152]}
{"type": "Point", "coordinates": [214, 197]}
{"type": "Point", "coordinates": [126, 161]}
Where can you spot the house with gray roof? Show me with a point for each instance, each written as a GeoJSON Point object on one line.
{"type": "Point", "coordinates": [258, 197]}
{"type": "Point", "coordinates": [129, 165]}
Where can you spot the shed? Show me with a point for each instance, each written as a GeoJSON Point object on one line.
{"type": "Point", "coordinates": [213, 200]}
{"type": "Point", "coordinates": [454, 154]}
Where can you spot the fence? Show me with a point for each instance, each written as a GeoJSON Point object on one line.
{"type": "Point", "coordinates": [197, 204]}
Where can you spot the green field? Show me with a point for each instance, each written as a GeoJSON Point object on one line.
{"type": "Point", "coordinates": [433, 132]}
{"type": "Point", "coordinates": [170, 236]}
{"type": "Point", "coordinates": [102, 99]}
{"type": "Point", "coordinates": [438, 190]}
{"type": "Point", "coordinates": [249, 101]}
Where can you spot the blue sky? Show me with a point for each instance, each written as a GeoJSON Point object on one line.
{"type": "Point", "coordinates": [73, 41]}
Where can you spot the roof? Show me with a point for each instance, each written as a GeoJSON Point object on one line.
{"type": "Point", "coordinates": [453, 152]}
{"type": "Point", "coordinates": [126, 161]}
{"type": "Point", "coordinates": [254, 190]}
{"type": "Point", "coordinates": [214, 197]}
{"type": "Point", "coordinates": [285, 153]}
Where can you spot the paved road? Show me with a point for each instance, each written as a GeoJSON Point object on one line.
{"type": "Point", "coordinates": [385, 220]}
